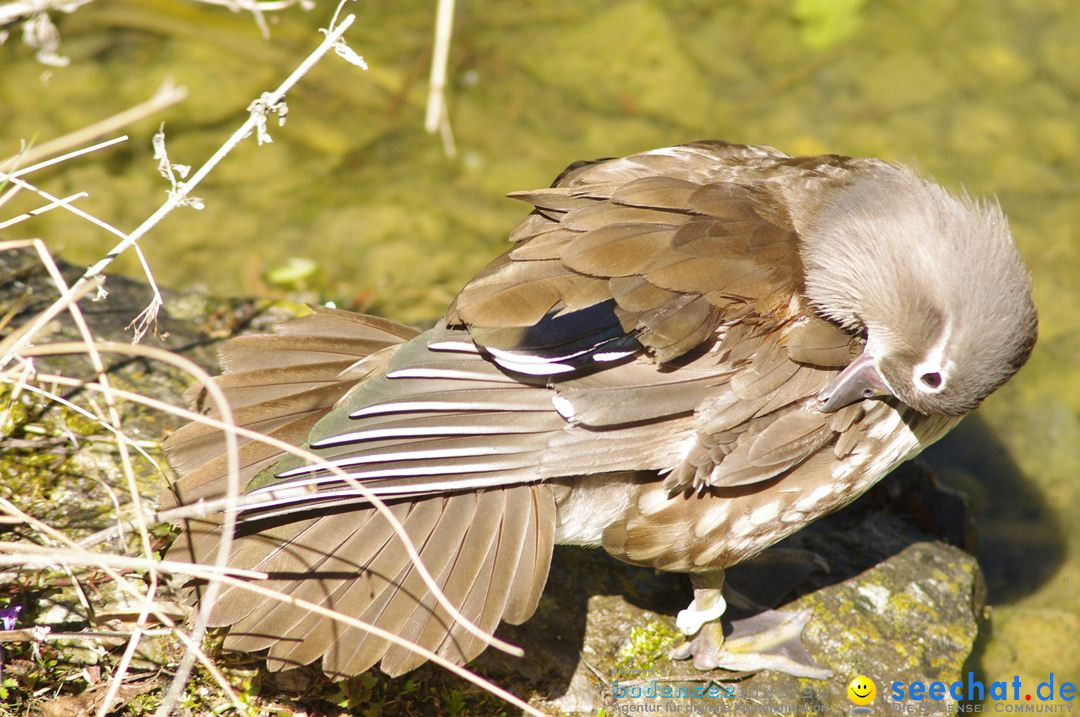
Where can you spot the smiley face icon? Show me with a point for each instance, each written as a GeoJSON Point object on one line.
{"type": "Point", "coordinates": [862, 690]}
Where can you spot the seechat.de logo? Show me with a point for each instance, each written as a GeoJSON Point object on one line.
{"type": "Point", "coordinates": [862, 691]}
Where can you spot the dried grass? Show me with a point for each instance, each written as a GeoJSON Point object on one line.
{"type": "Point", "coordinates": [26, 346]}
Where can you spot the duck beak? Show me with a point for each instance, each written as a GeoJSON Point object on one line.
{"type": "Point", "coordinates": [858, 381]}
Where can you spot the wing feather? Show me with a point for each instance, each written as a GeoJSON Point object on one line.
{"type": "Point", "coordinates": [654, 232]}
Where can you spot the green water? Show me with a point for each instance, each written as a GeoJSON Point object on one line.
{"type": "Point", "coordinates": [982, 94]}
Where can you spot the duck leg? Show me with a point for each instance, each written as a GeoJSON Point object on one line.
{"type": "Point", "coordinates": [770, 640]}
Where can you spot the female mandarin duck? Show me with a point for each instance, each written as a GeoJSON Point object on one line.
{"type": "Point", "coordinates": [687, 355]}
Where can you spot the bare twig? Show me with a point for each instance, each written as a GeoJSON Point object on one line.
{"type": "Point", "coordinates": [55, 144]}
{"type": "Point", "coordinates": [118, 434]}
{"type": "Point", "coordinates": [41, 35]}
{"type": "Point", "coordinates": [260, 5]}
{"type": "Point", "coordinates": [28, 554]}
{"type": "Point", "coordinates": [42, 209]}
{"type": "Point", "coordinates": [259, 8]}
{"type": "Point", "coordinates": [165, 96]}
{"type": "Point", "coordinates": [147, 602]}
{"type": "Point", "coordinates": [42, 633]}
{"type": "Point", "coordinates": [437, 118]}
{"type": "Point", "coordinates": [177, 197]}
{"type": "Point", "coordinates": [20, 9]}
{"type": "Point", "coordinates": [227, 578]}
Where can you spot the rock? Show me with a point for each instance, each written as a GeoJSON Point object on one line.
{"type": "Point", "coordinates": [901, 602]}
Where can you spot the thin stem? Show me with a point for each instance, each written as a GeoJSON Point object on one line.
{"type": "Point", "coordinates": [176, 198]}
{"type": "Point", "coordinates": [444, 28]}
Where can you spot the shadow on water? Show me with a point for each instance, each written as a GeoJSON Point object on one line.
{"type": "Point", "coordinates": [1021, 542]}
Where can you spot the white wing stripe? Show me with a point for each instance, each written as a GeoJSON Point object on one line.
{"type": "Point", "coordinates": [408, 455]}
{"type": "Point", "coordinates": [461, 346]}
{"type": "Point", "coordinates": [321, 496]}
{"type": "Point", "coordinates": [456, 374]}
{"type": "Point", "coordinates": [416, 406]}
{"type": "Point", "coordinates": [400, 471]}
{"type": "Point", "coordinates": [416, 431]}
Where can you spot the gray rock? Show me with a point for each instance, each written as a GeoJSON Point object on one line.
{"type": "Point", "coordinates": [900, 603]}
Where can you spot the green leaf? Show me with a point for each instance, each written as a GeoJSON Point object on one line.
{"type": "Point", "coordinates": [823, 23]}
{"type": "Point", "coordinates": [293, 272]}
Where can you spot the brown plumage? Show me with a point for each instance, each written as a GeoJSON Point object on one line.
{"type": "Point", "coordinates": [679, 359]}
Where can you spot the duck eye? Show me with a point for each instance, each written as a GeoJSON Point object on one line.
{"type": "Point", "coordinates": [931, 380]}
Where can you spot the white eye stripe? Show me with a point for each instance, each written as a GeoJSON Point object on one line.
{"type": "Point", "coordinates": [932, 374]}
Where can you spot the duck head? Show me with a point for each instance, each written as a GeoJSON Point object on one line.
{"type": "Point", "coordinates": [932, 279]}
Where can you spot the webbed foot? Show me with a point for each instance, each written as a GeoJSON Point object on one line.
{"type": "Point", "coordinates": [769, 640]}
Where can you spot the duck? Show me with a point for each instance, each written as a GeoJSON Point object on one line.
{"type": "Point", "coordinates": [684, 356]}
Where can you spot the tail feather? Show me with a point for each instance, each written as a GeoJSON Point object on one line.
{"type": "Point", "coordinates": [488, 550]}
{"type": "Point", "coordinates": [280, 385]}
